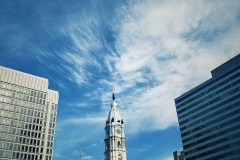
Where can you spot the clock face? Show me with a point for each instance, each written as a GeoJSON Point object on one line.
{"type": "Point", "coordinates": [118, 130]}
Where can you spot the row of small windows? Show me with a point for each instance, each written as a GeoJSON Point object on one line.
{"type": "Point", "coordinates": [28, 116]}
{"type": "Point", "coordinates": [17, 107]}
{"type": "Point", "coordinates": [223, 132]}
{"type": "Point", "coordinates": [203, 126]}
{"type": "Point", "coordinates": [54, 107]}
{"type": "Point", "coordinates": [21, 109]}
{"type": "Point", "coordinates": [51, 131]}
{"type": "Point", "coordinates": [235, 154]}
{"type": "Point", "coordinates": [221, 84]}
{"type": "Point", "coordinates": [220, 98]}
{"type": "Point", "coordinates": [10, 112]}
{"type": "Point", "coordinates": [52, 125]}
{"type": "Point", "coordinates": [24, 90]}
{"type": "Point", "coordinates": [25, 143]}
{"type": "Point", "coordinates": [112, 120]}
{"type": "Point", "coordinates": [28, 126]}
{"type": "Point", "coordinates": [209, 90]}
{"type": "Point", "coordinates": [27, 133]}
{"type": "Point", "coordinates": [212, 122]}
{"type": "Point", "coordinates": [23, 140]}
{"type": "Point", "coordinates": [224, 89]}
{"type": "Point", "coordinates": [50, 144]}
{"type": "Point", "coordinates": [36, 124]}
{"type": "Point", "coordinates": [17, 131]}
{"type": "Point", "coordinates": [216, 150]}
{"type": "Point", "coordinates": [208, 83]}
{"type": "Point", "coordinates": [25, 114]}
{"type": "Point", "coordinates": [50, 137]}
{"type": "Point", "coordinates": [210, 130]}
{"type": "Point", "coordinates": [22, 136]}
{"type": "Point", "coordinates": [21, 147]}
{"type": "Point", "coordinates": [9, 122]}
{"type": "Point", "coordinates": [213, 136]}
{"type": "Point", "coordinates": [34, 147]}
{"type": "Point", "coordinates": [214, 143]}
{"type": "Point", "coordinates": [22, 122]}
{"type": "Point", "coordinates": [217, 106]}
{"type": "Point", "coordinates": [22, 156]}
{"type": "Point", "coordinates": [21, 99]}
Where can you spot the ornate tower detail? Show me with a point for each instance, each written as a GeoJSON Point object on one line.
{"type": "Point", "coordinates": [115, 148]}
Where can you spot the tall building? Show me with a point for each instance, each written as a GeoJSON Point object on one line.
{"type": "Point", "coordinates": [178, 155]}
{"type": "Point", "coordinates": [209, 115]}
{"type": "Point", "coordinates": [28, 112]}
{"type": "Point", "coordinates": [115, 148]}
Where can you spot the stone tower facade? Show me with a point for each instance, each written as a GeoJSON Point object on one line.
{"type": "Point", "coordinates": [115, 148]}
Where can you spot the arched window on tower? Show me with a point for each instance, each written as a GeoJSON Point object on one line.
{"type": "Point", "coordinates": [119, 144]}
{"type": "Point", "coordinates": [112, 120]}
{"type": "Point", "coordinates": [120, 157]}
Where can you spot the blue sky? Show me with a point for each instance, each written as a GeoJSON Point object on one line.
{"type": "Point", "coordinates": [148, 52]}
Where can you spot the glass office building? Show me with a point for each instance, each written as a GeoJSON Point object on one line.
{"type": "Point", "coordinates": [209, 115]}
{"type": "Point", "coordinates": [27, 116]}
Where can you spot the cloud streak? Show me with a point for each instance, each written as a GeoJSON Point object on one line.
{"type": "Point", "coordinates": [158, 54]}
{"type": "Point", "coordinates": [165, 53]}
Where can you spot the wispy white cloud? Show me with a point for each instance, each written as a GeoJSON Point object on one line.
{"type": "Point", "coordinates": [162, 49]}
{"type": "Point", "coordinates": [79, 45]}
{"type": "Point", "coordinates": [160, 58]}
{"type": "Point", "coordinates": [87, 120]}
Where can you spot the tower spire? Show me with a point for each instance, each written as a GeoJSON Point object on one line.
{"type": "Point", "coordinates": [115, 148]}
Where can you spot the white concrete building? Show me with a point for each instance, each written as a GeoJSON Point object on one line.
{"type": "Point", "coordinates": [28, 111]}
{"type": "Point", "coordinates": [115, 148]}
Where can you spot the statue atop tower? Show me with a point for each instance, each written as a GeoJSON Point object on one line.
{"type": "Point", "coordinates": [113, 97]}
{"type": "Point", "coordinates": [115, 148]}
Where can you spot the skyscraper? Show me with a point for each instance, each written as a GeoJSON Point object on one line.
{"type": "Point", "coordinates": [115, 148]}
{"type": "Point", "coordinates": [209, 115]}
{"type": "Point", "coordinates": [27, 116]}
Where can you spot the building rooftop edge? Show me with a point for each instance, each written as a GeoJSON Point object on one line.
{"type": "Point", "coordinates": [186, 94]}
{"type": "Point", "coordinates": [44, 80]}
{"type": "Point", "coordinates": [226, 66]}
{"type": "Point", "coordinates": [51, 90]}
{"type": "Point", "coordinates": [21, 72]}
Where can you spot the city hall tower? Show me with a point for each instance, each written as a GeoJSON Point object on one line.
{"type": "Point", "coordinates": [115, 148]}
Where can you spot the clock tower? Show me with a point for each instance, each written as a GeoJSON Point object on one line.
{"type": "Point", "coordinates": [115, 148]}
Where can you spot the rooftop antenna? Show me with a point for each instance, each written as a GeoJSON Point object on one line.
{"type": "Point", "coordinates": [80, 150]}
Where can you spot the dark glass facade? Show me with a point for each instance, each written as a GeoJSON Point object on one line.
{"type": "Point", "coordinates": [209, 115]}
